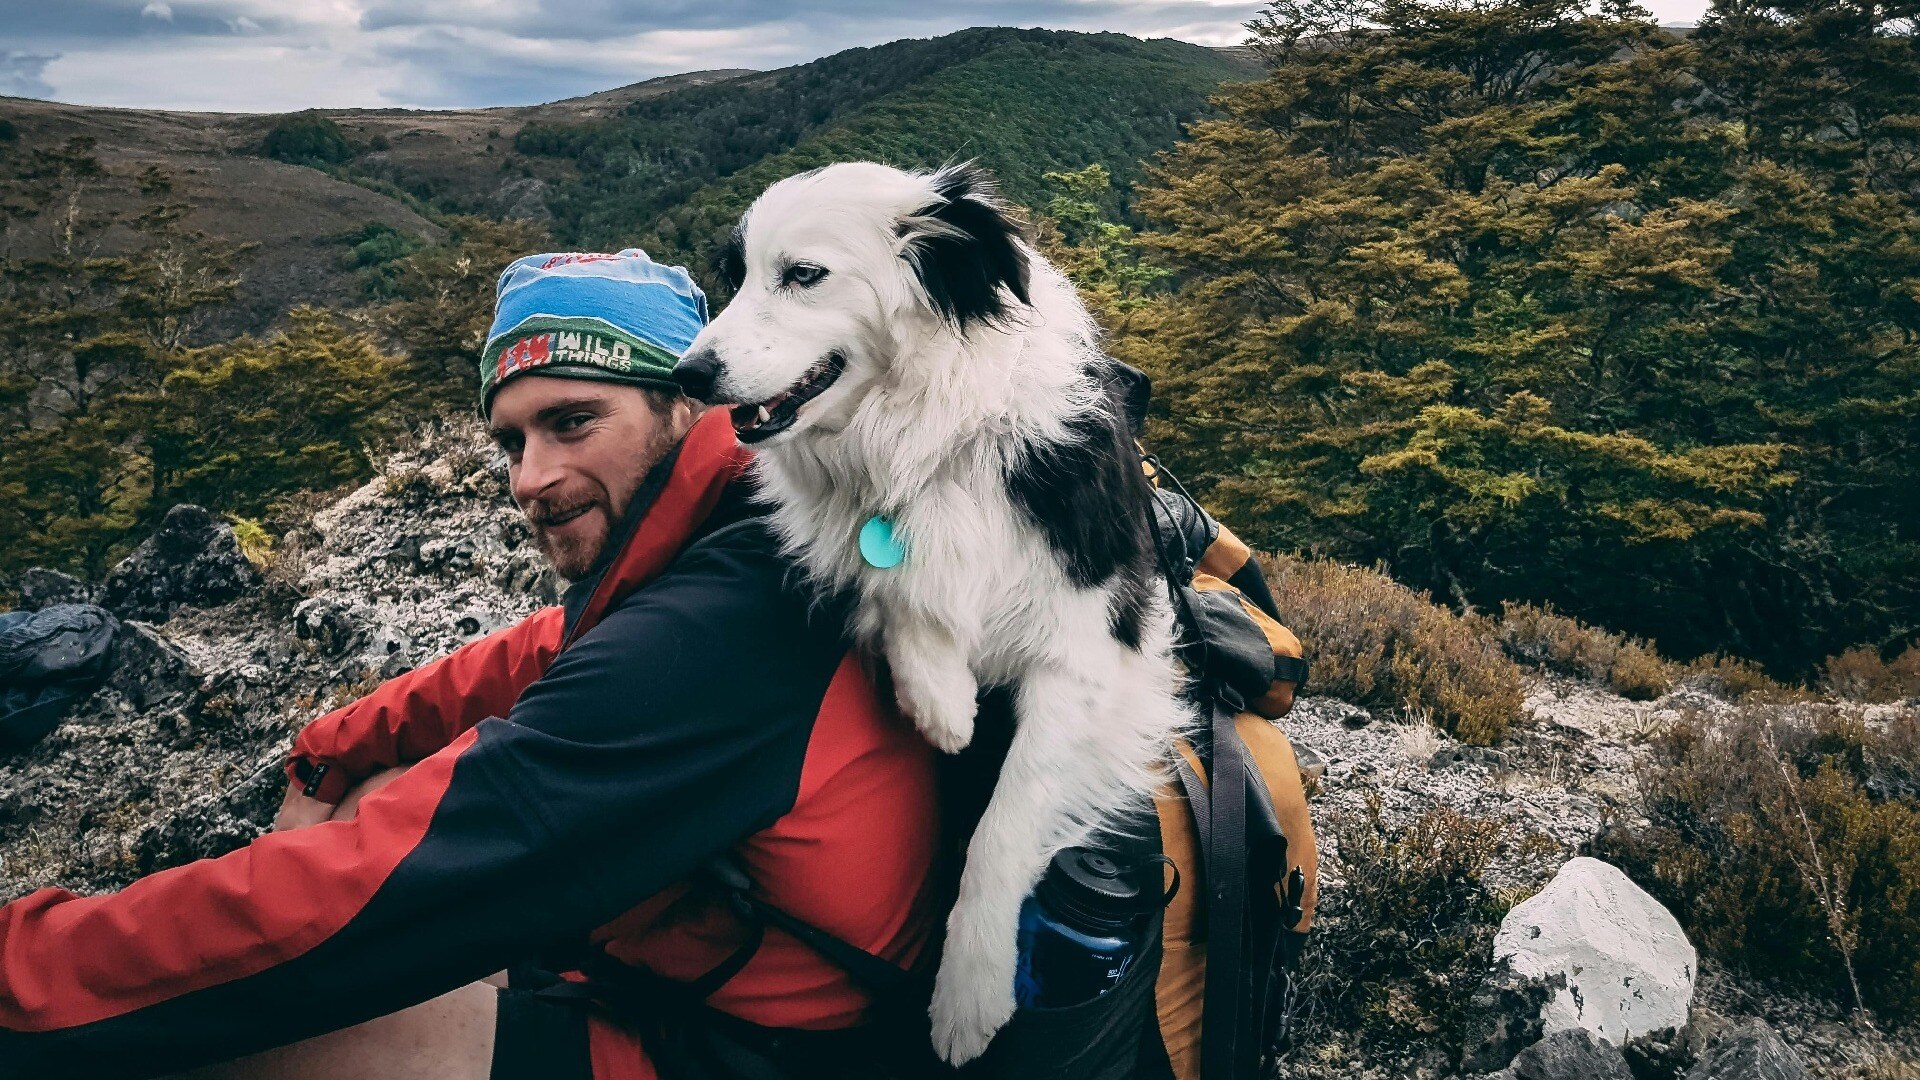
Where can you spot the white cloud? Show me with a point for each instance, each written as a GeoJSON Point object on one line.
{"type": "Point", "coordinates": [276, 55]}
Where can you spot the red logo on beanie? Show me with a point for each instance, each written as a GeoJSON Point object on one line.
{"type": "Point", "coordinates": [528, 352]}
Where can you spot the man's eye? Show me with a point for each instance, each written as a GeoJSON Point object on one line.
{"type": "Point", "coordinates": [804, 275]}
{"type": "Point", "coordinates": [572, 423]}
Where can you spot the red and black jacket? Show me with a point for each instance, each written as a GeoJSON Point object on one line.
{"type": "Point", "coordinates": [569, 777]}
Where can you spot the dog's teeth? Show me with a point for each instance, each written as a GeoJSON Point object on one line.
{"type": "Point", "coordinates": [763, 415]}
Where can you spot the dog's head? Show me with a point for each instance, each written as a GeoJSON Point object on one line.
{"type": "Point", "coordinates": [833, 270]}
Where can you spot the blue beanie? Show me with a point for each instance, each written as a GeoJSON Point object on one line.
{"type": "Point", "coordinates": [617, 318]}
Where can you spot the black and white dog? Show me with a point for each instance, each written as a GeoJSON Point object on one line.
{"type": "Point", "coordinates": [924, 391]}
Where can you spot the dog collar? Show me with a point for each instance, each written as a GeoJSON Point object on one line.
{"type": "Point", "coordinates": [878, 546]}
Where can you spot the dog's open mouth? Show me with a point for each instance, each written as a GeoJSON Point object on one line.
{"type": "Point", "coordinates": [768, 418]}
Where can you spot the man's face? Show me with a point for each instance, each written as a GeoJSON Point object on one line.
{"type": "Point", "coordinates": [576, 453]}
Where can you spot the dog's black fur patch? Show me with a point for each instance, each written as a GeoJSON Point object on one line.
{"type": "Point", "coordinates": [733, 257]}
{"type": "Point", "coordinates": [969, 273]}
{"type": "Point", "coordinates": [1089, 498]}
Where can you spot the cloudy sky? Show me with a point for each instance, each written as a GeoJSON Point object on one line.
{"type": "Point", "coordinates": [278, 55]}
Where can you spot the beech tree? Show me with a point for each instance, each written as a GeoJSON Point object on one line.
{"type": "Point", "coordinates": [1532, 301]}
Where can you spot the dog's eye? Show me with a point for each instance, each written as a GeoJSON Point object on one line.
{"type": "Point", "coordinates": [804, 275]}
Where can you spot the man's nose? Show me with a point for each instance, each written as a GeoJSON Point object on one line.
{"type": "Point", "coordinates": [697, 372]}
{"type": "Point", "coordinates": [536, 471]}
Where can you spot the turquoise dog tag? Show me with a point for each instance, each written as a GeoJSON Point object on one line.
{"type": "Point", "coordinates": [879, 546]}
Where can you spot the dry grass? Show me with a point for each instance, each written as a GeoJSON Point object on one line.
{"type": "Point", "coordinates": [1373, 641]}
{"type": "Point", "coordinates": [1401, 944]}
{"type": "Point", "coordinates": [1543, 638]}
{"type": "Point", "coordinates": [1787, 840]}
{"type": "Point", "coordinates": [1862, 675]}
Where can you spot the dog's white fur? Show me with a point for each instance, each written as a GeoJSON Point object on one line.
{"type": "Point", "coordinates": [924, 427]}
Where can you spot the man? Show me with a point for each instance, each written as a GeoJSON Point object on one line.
{"type": "Point", "coordinates": [548, 795]}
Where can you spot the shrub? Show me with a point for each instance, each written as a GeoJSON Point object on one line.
{"type": "Point", "coordinates": [1861, 675]}
{"type": "Point", "coordinates": [1372, 641]}
{"type": "Point", "coordinates": [1787, 839]}
{"type": "Point", "coordinates": [1742, 681]}
{"type": "Point", "coordinates": [307, 138]}
{"type": "Point", "coordinates": [1402, 943]}
{"type": "Point", "coordinates": [1544, 638]}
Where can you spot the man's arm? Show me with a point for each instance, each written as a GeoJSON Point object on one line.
{"type": "Point", "coordinates": [419, 713]}
{"type": "Point", "coordinates": [668, 734]}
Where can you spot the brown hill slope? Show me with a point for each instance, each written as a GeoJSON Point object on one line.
{"type": "Point", "coordinates": [292, 214]}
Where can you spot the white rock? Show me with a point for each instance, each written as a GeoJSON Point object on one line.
{"type": "Point", "coordinates": [1628, 966]}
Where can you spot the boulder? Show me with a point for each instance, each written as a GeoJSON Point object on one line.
{"type": "Point", "coordinates": [1573, 1054]}
{"type": "Point", "coordinates": [193, 559]}
{"type": "Point", "coordinates": [1627, 967]}
{"type": "Point", "coordinates": [40, 587]}
{"type": "Point", "coordinates": [1502, 1018]}
{"type": "Point", "coordinates": [1752, 1051]}
{"type": "Point", "coordinates": [147, 668]}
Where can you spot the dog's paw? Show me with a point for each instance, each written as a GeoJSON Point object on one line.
{"type": "Point", "coordinates": [943, 713]}
{"type": "Point", "coordinates": [972, 1001]}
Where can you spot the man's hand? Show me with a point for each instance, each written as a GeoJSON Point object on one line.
{"type": "Point", "coordinates": [299, 810]}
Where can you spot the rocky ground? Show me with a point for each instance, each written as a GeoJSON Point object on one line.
{"type": "Point", "coordinates": [220, 661]}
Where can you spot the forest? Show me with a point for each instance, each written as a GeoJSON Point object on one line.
{"type": "Point", "coordinates": [1523, 300]}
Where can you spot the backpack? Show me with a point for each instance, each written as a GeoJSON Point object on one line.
{"type": "Point", "coordinates": [1210, 992]}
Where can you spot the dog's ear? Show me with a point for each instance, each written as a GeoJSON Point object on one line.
{"type": "Point", "coordinates": [966, 249]}
{"type": "Point", "coordinates": [730, 262]}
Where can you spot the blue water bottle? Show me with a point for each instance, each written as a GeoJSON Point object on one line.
{"type": "Point", "coordinates": [1077, 931]}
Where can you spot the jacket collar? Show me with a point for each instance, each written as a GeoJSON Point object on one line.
{"type": "Point", "coordinates": [667, 512]}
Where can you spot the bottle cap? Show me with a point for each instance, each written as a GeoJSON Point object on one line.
{"type": "Point", "coordinates": [1090, 890]}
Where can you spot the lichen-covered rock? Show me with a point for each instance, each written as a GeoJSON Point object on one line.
{"type": "Point", "coordinates": [179, 756]}
{"type": "Point", "coordinates": [1503, 1018]}
{"type": "Point", "coordinates": [1751, 1051]}
{"type": "Point", "coordinates": [149, 669]}
{"type": "Point", "coordinates": [1627, 965]}
{"type": "Point", "coordinates": [1573, 1054]}
{"type": "Point", "coordinates": [192, 560]}
{"type": "Point", "coordinates": [40, 588]}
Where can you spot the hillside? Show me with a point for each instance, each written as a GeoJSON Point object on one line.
{"type": "Point", "coordinates": [1426, 843]}
{"type": "Point", "coordinates": [295, 215]}
{"type": "Point", "coordinates": [655, 162]}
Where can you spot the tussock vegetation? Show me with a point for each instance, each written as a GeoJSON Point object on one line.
{"type": "Point", "coordinates": [1375, 642]}
{"type": "Point", "coordinates": [1787, 839]}
{"type": "Point", "coordinates": [1543, 638]}
{"type": "Point", "coordinates": [1861, 675]}
{"type": "Point", "coordinates": [1402, 942]}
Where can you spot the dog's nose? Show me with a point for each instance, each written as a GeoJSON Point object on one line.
{"type": "Point", "coordinates": [696, 373]}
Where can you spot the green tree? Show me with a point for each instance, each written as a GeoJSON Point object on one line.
{"type": "Point", "coordinates": [1493, 293]}
{"type": "Point", "coordinates": [89, 319]}
{"type": "Point", "coordinates": [442, 307]}
{"type": "Point", "coordinates": [237, 424]}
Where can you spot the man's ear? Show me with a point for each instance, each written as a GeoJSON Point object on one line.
{"type": "Point", "coordinates": [965, 248]}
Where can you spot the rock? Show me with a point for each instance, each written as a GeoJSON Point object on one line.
{"type": "Point", "coordinates": [329, 624]}
{"type": "Point", "coordinates": [1456, 755]}
{"type": "Point", "coordinates": [1312, 765]}
{"type": "Point", "coordinates": [1568, 1055]}
{"type": "Point", "coordinates": [147, 668]}
{"type": "Point", "coordinates": [1627, 965]}
{"type": "Point", "coordinates": [1502, 1018]}
{"type": "Point", "coordinates": [193, 559]}
{"type": "Point", "coordinates": [1752, 1051]}
{"type": "Point", "coordinates": [40, 588]}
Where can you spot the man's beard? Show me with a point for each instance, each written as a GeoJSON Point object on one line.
{"type": "Point", "coordinates": [574, 553]}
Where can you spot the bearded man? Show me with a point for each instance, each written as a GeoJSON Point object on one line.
{"type": "Point", "coordinates": [586, 792]}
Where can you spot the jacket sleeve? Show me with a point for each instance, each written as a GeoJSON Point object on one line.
{"type": "Point", "coordinates": [419, 713]}
{"type": "Point", "coordinates": [666, 735]}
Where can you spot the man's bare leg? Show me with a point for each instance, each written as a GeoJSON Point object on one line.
{"type": "Point", "coordinates": [448, 1038]}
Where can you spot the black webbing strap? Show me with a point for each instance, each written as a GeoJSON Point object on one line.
{"type": "Point", "coordinates": [1197, 806]}
{"type": "Point", "coordinates": [1220, 1046]}
{"type": "Point", "coordinates": [876, 974]}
